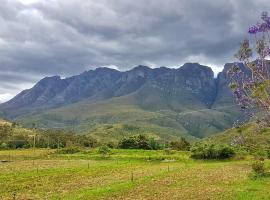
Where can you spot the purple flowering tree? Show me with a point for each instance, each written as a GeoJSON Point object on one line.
{"type": "Point", "coordinates": [251, 83]}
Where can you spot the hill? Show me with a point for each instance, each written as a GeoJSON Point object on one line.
{"type": "Point", "coordinates": [247, 136]}
{"type": "Point", "coordinates": [188, 101]}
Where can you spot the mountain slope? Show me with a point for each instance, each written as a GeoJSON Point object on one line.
{"type": "Point", "coordinates": [248, 136]}
{"type": "Point", "coordinates": [168, 102]}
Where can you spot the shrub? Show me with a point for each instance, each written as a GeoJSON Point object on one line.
{"type": "Point", "coordinates": [155, 145]}
{"type": "Point", "coordinates": [268, 153]}
{"type": "Point", "coordinates": [258, 167]}
{"type": "Point", "coordinates": [180, 145]}
{"type": "Point", "coordinates": [142, 142]}
{"type": "Point", "coordinates": [211, 151]}
{"type": "Point", "coordinates": [86, 141]}
{"type": "Point", "coordinates": [260, 154]}
{"type": "Point", "coordinates": [18, 143]}
{"type": "Point", "coordinates": [128, 143]}
{"type": "Point", "coordinates": [70, 150]}
{"type": "Point", "coordinates": [111, 145]}
{"type": "Point", "coordinates": [135, 142]}
{"type": "Point", "coordinates": [104, 150]}
{"type": "Point", "coordinates": [4, 146]}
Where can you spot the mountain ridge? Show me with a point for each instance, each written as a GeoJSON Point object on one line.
{"type": "Point", "coordinates": [164, 92]}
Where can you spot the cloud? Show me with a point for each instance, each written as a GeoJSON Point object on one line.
{"type": "Point", "coordinates": [47, 37]}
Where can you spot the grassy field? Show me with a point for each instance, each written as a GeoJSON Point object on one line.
{"type": "Point", "coordinates": [125, 174]}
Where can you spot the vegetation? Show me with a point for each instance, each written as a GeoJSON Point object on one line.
{"type": "Point", "coordinates": [110, 119]}
{"type": "Point", "coordinates": [14, 136]}
{"type": "Point", "coordinates": [126, 174]}
{"type": "Point", "coordinates": [250, 83]}
{"type": "Point", "coordinates": [70, 150]}
{"type": "Point", "coordinates": [180, 145]}
{"type": "Point", "coordinates": [258, 167]}
{"type": "Point", "coordinates": [104, 150]}
{"type": "Point", "coordinates": [249, 138]}
{"type": "Point", "coordinates": [211, 151]}
{"type": "Point", "coordinates": [140, 142]}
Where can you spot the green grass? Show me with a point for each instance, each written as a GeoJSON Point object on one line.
{"type": "Point", "coordinates": [125, 174]}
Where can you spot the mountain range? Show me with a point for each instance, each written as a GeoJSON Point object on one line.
{"type": "Point", "coordinates": [167, 103]}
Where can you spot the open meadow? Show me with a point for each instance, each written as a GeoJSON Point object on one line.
{"type": "Point", "coordinates": [125, 174]}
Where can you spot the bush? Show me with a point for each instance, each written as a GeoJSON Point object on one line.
{"type": "Point", "coordinates": [211, 151]}
{"type": "Point", "coordinates": [180, 145]}
{"type": "Point", "coordinates": [70, 150]}
{"type": "Point", "coordinates": [111, 145]}
{"type": "Point", "coordinates": [268, 153]}
{"type": "Point", "coordinates": [18, 143]}
{"type": "Point", "coordinates": [135, 142]}
{"type": "Point", "coordinates": [155, 145]}
{"type": "Point", "coordinates": [128, 143]}
{"type": "Point", "coordinates": [258, 167]}
{"type": "Point", "coordinates": [104, 150]}
{"type": "Point", "coordinates": [260, 154]}
{"type": "Point", "coordinates": [4, 146]}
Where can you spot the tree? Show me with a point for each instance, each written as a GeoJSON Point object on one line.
{"type": "Point", "coordinates": [135, 142]}
{"type": "Point", "coordinates": [249, 79]}
{"type": "Point", "coordinates": [180, 145]}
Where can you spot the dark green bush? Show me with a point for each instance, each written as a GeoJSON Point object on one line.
{"type": "Point", "coordinates": [140, 142]}
{"type": "Point", "coordinates": [128, 143]}
{"type": "Point", "coordinates": [211, 151]}
{"type": "Point", "coordinates": [135, 142]}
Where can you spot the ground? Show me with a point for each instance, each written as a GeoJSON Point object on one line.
{"type": "Point", "coordinates": [125, 174]}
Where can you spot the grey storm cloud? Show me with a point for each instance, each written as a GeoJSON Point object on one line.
{"type": "Point", "coordinates": [47, 37]}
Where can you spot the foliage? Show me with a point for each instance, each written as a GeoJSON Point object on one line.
{"type": "Point", "coordinates": [139, 142]}
{"type": "Point", "coordinates": [104, 150]}
{"type": "Point", "coordinates": [249, 140]}
{"type": "Point", "coordinates": [180, 145]}
{"type": "Point", "coordinates": [155, 144]}
{"type": "Point", "coordinates": [13, 136]}
{"type": "Point", "coordinates": [211, 151]}
{"type": "Point", "coordinates": [258, 167]}
{"type": "Point", "coordinates": [5, 131]}
{"type": "Point", "coordinates": [250, 83]}
{"type": "Point", "coordinates": [111, 145]}
{"type": "Point", "coordinates": [69, 150]}
{"type": "Point", "coordinates": [168, 151]}
{"type": "Point", "coordinates": [268, 153]}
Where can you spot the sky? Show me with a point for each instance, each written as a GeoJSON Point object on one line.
{"type": "Point", "coordinates": [41, 38]}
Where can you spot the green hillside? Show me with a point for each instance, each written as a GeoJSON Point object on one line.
{"type": "Point", "coordinates": [248, 136]}
{"type": "Point", "coordinates": [191, 122]}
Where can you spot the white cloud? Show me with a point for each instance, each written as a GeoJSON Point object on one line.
{"type": "Point", "coordinates": [5, 97]}
{"type": "Point", "coordinates": [27, 2]}
{"type": "Point", "coordinates": [61, 37]}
